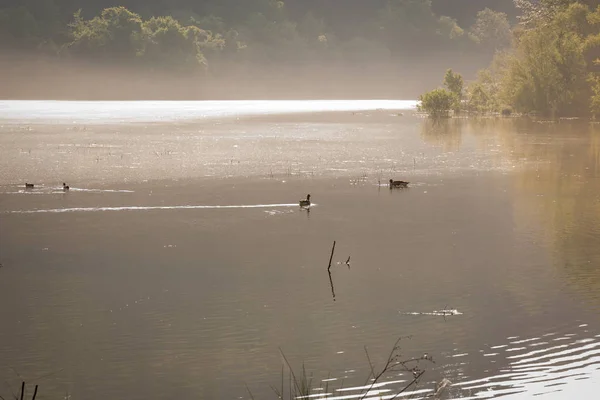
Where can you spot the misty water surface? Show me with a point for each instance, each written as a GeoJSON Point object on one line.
{"type": "Point", "coordinates": [179, 263]}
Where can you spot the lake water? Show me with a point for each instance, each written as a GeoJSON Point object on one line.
{"type": "Point", "coordinates": [179, 264]}
{"type": "Point", "coordinates": [156, 111]}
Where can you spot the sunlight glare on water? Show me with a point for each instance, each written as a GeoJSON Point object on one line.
{"type": "Point", "coordinates": [29, 111]}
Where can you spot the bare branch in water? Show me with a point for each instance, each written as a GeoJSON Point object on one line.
{"type": "Point", "coordinates": [394, 361]}
{"type": "Point", "coordinates": [331, 257]}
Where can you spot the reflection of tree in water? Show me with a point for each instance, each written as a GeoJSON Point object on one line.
{"type": "Point", "coordinates": [563, 189]}
{"type": "Point", "coordinates": [557, 172]}
{"type": "Point", "coordinates": [445, 132]}
{"type": "Point", "coordinates": [449, 132]}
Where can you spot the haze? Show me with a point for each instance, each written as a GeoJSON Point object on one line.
{"type": "Point", "coordinates": [259, 49]}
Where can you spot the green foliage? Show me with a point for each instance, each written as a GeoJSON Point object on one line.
{"type": "Point", "coordinates": [167, 43]}
{"type": "Point", "coordinates": [160, 41]}
{"type": "Point", "coordinates": [547, 73]}
{"type": "Point", "coordinates": [437, 103]}
{"type": "Point", "coordinates": [448, 28]}
{"type": "Point", "coordinates": [595, 98]}
{"type": "Point", "coordinates": [116, 32]}
{"type": "Point", "coordinates": [479, 100]}
{"type": "Point", "coordinates": [551, 69]}
{"type": "Point", "coordinates": [492, 29]}
{"type": "Point", "coordinates": [455, 84]}
{"type": "Point", "coordinates": [482, 95]}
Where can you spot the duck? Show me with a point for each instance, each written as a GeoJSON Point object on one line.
{"type": "Point", "coordinates": [305, 202]}
{"type": "Point", "coordinates": [29, 185]}
{"type": "Point", "coordinates": [398, 184]}
{"type": "Point", "coordinates": [65, 187]}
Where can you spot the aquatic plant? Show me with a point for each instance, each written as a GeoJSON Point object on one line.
{"type": "Point", "coordinates": [437, 103]}
{"type": "Point", "coordinates": [21, 394]}
{"type": "Point", "coordinates": [301, 386]}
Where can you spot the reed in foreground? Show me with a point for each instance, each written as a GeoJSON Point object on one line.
{"type": "Point", "coordinates": [293, 386]}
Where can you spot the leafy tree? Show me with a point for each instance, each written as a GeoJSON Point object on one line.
{"type": "Point", "coordinates": [448, 28]}
{"type": "Point", "coordinates": [482, 95]}
{"type": "Point", "coordinates": [595, 98]}
{"type": "Point", "coordinates": [116, 32]}
{"type": "Point", "coordinates": [478, 99]}
{"type": "Point", "coordinates": [492, 29]}
{"type": "Point", "coordinates": [547, 73]}
{"type": "Point", "coordinates": [437, 103]}
{"type": "Point", "coordinates": [167, 43]}
{"type": "Point", "coordinates": [552, 68]}
{"type": "Point", "coordinates": [454, 82]}
{"type": "Point", "coordinates": [592, 42]}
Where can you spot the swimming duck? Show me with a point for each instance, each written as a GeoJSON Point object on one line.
{"type": "Point", "coordinates": [398, 184]}
{"type": "Point", "coordinates": [65, 187]}
{"type": "Point", "coordinates": [28, 185]}
{"type": "Point", "coordinates": [305, 202]}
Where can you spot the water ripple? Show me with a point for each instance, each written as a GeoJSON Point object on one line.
{"type": "Point", "coordinates": [531, 372]}
{"type": "Point", "coordinates": [149, 208]}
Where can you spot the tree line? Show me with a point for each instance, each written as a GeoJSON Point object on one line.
{"type": "Point", "coordinates": [200, 36]}
{"type": "Point", "coordinates": [552, 67]}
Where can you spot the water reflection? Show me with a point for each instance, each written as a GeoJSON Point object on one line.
{"type": "Point", "coordinates": [446, 133]}
{"type": "Point", "coordinates": [557, 184]}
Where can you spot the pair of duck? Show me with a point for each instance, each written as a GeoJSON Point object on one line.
{"type": "Point", "coordinates": [31, 186]}
{"type": "Point", "coordinates": [393, 184]}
